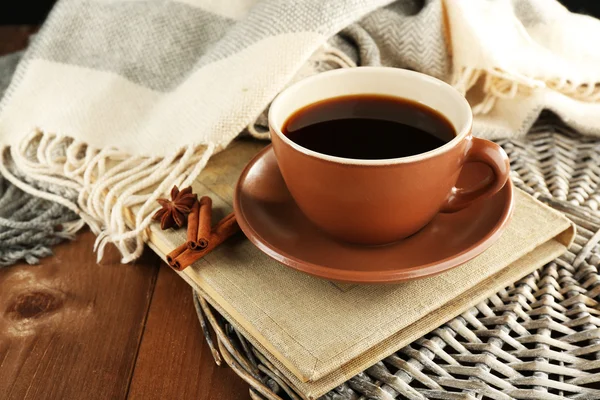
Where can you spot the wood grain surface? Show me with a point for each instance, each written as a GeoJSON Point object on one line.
{"type": "Point", "coordinates": [70, 328]}
{"type": "Point", "coordinates": [170, 348]}
{"type": "Point", "coordinates": [73, 329]}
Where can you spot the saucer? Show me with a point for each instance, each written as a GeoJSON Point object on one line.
{"type": "Point", "coordinates": [270, 218]}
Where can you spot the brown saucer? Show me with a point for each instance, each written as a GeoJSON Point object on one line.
{"type": "Point", "coordinates": [271, 219]}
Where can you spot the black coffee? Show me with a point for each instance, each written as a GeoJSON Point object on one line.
{"type": "Point", "coordinates": [368, 127]}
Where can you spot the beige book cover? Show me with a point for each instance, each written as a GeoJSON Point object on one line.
{"type": "Point", "coordinates": [320, 333]}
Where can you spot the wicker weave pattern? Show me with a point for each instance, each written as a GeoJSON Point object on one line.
{"type": "Point", "coordinates": [537, 339]}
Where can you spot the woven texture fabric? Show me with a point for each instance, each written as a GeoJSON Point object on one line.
{"type": "Point", "coordinates": [120, 114]}
{"type": "Point", "coordinates": [535, 339]}
{"type": "Point", "coordinates": [540, 61]}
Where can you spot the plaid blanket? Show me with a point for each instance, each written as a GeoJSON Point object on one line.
{"type": "Point", "coordinates": [117, 101]}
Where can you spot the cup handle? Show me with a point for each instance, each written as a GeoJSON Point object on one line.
{"type": "Point", "coordinates": [488, 153]}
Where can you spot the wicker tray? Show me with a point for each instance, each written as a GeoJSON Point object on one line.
{"type": "Point", "coordinates": [536, 339]}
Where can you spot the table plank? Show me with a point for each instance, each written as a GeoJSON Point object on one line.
{"type": "Point", "coordinates": [174, 361]}
{"type": "Point", "coordinates": [70, 328]}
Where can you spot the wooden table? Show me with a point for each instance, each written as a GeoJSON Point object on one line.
{"type": "Point", "coordinates": [74, 329]}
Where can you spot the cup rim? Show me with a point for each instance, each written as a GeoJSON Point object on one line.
{"type": "Point", "coordinates": [464, 132]}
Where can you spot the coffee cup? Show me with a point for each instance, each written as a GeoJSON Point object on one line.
{"type": "Point", "coordinates": [379, 201]}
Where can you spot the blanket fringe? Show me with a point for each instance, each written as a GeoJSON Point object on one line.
{"type": "Point", "coordinates": [499, 84]}
{"type": "Point", "coordinates": [30, 226]}
{"type": "Point", "coordinates": [113, 192]}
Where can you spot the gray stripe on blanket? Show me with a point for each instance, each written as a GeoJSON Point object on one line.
{"type": "Point", "coordinates": [153, 44]}
{"type": "Point", "coordinates": [178, 38]}
{"type": "Point", "coordinates": [8, 65]}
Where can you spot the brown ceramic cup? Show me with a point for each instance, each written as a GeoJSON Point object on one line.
{"type": "Point", "coordinates": [381, 201]}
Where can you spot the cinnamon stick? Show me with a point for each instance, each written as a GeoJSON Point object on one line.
{"type": "Point", "coordinates": [205, 222]}
{"type": "Point", "coordinates": [226, 227]}
{"type": "Point", "coordinates": [176, 253]}
{"type": "Point", "coordinates": [221, 232]}
{"type": "Point", "coordinates": [192, 224]}
{"type": "Point", "coordinates": [199, 232]}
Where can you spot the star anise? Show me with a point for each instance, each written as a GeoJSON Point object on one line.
{"type": "Point", "coordinates": [174, 212]}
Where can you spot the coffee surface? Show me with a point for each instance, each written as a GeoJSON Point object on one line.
{"type": "Point", "coordinates": [368, 127]}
